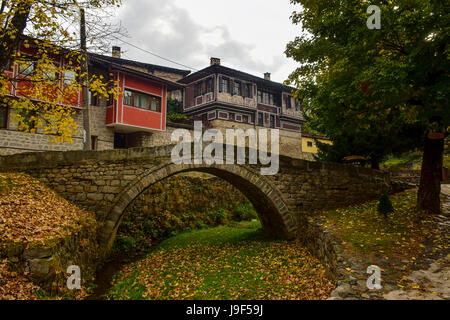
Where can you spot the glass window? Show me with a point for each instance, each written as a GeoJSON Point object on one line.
{"type": "Point", "coordinates": [209, 85]}
{"type": "Point", "coordinates": [198, 89]}
{"type": "Point", "coordinates": [69, 77]}
{"type": "Point", "coordinates": [288, 102]}
{"type": "Point", "coordinates": [128, 98]}
{"type": "Point", "coordinates": [310, 144]}
{"type": "Point", "coordinates": [261, 119]}
{"type": "Point", "coordinates": [260, 97]}
{"type": "Point", "coordinates": [272, 121]}
{"type": "Point", "coordinates": [156, 104]}
{"type": "Point", "coordinates": [224, 85]}
{"type": "Point", "coordinates": [141, 101]}
{"type": "Point", "coordinates": [249, 90]}
{"type": "Point", "coordinates": [26, 68]}
{"type": "Point", "coordinates": [237, 88]}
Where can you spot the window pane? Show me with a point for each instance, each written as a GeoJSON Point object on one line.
{"type": "Point", "coordinates": [26, 68]}
{"type": "Point", "coordinates": [141, 101]}
{"type": "Point", "coordinates": [156, 104]}
{"type": "Point", "coordinates": [127, 98]}
{"type": "Point", "coordinates": [69, 77]}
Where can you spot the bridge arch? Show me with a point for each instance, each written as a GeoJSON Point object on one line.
{"type": "Point", "coordinates": [268, 201]}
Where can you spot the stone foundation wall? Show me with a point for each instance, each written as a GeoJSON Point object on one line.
{"type": "Point", "coordinates": [188, 192]}
{"type": "Point", "coordinates": [46, 265]}
{"type": "Point", "coordinates": [13, 141]}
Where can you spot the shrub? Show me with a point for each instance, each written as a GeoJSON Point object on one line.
{"type": "Point", "coordinates": [244, 212]}
{"type": "Point", "coordinates": [385, 205]}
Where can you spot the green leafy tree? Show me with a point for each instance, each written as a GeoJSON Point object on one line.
{"type": "Point", "coordinates": [381, 90]}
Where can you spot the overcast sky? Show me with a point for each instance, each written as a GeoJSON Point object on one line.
{"type": "Point", "coordinates": [249, 35]}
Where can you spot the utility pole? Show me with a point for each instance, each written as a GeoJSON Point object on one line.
{"type": "Point", "coordinates": [85, 83]}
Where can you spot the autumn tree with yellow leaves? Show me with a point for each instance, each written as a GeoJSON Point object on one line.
{"type": "Point", "coordinates": [37, 41]}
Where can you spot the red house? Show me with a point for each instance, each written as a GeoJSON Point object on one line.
{"type": "Point", "coordinates": [142, 103]}
{"type": "Point", "coordinates": [139, 111]}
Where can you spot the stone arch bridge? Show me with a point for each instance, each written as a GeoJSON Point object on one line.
{"type": "Point", "coordinates": [106, 182]}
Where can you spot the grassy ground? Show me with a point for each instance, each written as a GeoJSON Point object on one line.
{"type": "Point", "coordinates": [227, 262]}
{"type": "Point", "coordinates": [369, 231]}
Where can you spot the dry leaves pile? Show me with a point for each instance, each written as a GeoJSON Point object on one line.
{"type": "Point", "coordinates": [14, 286]}
{"type": "Point", "coordinates": [31, 212]}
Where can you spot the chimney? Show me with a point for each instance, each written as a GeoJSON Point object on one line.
{"type": "Point", "coordinates": [116, 52]}
{"type": "Point", "coordinates": [215, 61]}
{"type": "Point", "coordinates": [267, 76]}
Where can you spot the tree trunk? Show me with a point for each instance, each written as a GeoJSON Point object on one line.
{"type": "Point", "coordinates": [430, 176]}
{"type": "Point", "coordinates": [10, 37]}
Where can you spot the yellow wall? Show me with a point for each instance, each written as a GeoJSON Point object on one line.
{"type": "Point", "coordinates": [313, 149]}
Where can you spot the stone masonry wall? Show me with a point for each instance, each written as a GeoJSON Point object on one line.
{"type": "Point", "coordinates": [14, 141]}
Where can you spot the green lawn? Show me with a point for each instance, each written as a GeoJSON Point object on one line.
{"type": "Point", "coordinates": [227, 262]}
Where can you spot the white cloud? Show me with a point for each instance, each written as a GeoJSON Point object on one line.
{"type": "Point", "coordinates": [248, 35]}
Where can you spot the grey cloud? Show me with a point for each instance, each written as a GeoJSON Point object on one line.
{"type": "Point", "coordinates": [164, 28]}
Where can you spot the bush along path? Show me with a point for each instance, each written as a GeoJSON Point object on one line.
{"type": "Point", "coordinates": [410, 248]}
{"type": "Point", "coordinates": [232, 262]}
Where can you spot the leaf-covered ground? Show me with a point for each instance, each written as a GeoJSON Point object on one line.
{"type": "Point", "coordinates": [31, 215]}
{"type": "Point", "coordinates": [401, 233]}
{"type": "Point", "coordinates": [404, 241]}
{"type": "Point", "coordinates": [226, 262]}
{"type": "Point", "coordinates": [31, 212]}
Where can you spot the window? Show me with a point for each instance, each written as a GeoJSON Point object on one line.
{"type": "Point", "coordinates": [247, 90]}
{"type": "Point", "coordinates": [237, 88]}
{"type": "Point", "coordinates": [224, 85]}
{"type": "Point", "coordinates": [94, 140]}
{"type": "Point", "coordinates": [26, 68]}
{"type": "Point", "coordinates": [142, 101]}
{"type": "Point", "coordinates": [156, 104]}
{"type": "Point", "coordinates": [204, 87]}
{"type": "Point", "coordinates": [261, 119]}
{"type": "Point", "coordinates": [272, 121]}
{"type": "Point", "coordinates": [310, 144]}
{"type": "Point", "coordinates": [245, 119]}
{"type": "Point", "coordinates": [128, 98]}
{"type": "Point", "coordinates": [3, 117]}
{"type": "Point", "coordinates": [288, 102]}
{"type": "Point", "coordinates": [198, 89]}
{"type": "Point", "coordinates": [265, 98]}
{"type": "Point", "coordinates": [209, 85]}
{"type": "Point", "coordinates": [69, 77]}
